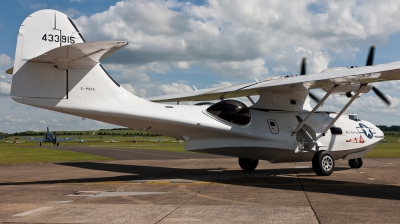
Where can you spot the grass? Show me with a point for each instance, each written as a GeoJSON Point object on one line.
{"type": "Point", "coordinates": [390, 149]}
{"type": "Point", "coordinates": [24, 155]}
{"type": "Point", "coordinates": [28, 152]}
{"type": "Point", "coordinates": [385, 150]}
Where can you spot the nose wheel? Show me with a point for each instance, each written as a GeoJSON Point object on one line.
{"type": "Point", "coordinates": [323, 163]}
{"type": "Point", "coordinates": [355, 163]}
{"type": "Point", "coordinates": [248, 164]}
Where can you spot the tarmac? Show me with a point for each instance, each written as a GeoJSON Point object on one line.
{"type": "Point", "coordinates": [151, 186]}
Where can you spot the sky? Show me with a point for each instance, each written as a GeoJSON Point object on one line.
{"type": "Point", "coordinates": [175, 45]}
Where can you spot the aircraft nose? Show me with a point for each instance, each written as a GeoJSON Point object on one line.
{"type": "Point", "coordinates": [378, 132]}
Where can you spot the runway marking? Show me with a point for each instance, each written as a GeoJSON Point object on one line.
{"type": "Point", "coordinates": [32, 211]}
{"type": "Point", "coordinates": [101, 194]}
{"type": "Point", "coordinates": [302, 167]}
{"type": "Point", "coordinates": [59, 202]}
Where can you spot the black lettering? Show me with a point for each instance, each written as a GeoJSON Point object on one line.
{"type": "Point", "coordinates": [50, 37]}
{"type": "Point", "coordinates": [63, 39]}
{"type": "Point", "coordinates": [44, 37]}
{"type": "Point", "coordinates": [72, 40]}
{"type": "Point", "coordinates": [57, 38]}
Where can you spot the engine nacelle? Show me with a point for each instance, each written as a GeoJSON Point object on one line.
{"type": "Point", "coordinates": [348, 89]}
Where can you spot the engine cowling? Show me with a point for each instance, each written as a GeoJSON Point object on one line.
{"type": "Point", "coordinates": [232, 111]}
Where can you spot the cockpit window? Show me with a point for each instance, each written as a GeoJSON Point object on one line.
{"type": "Point", "coordinates": [232, 111]}
{"type": "Point", "coordinates": [354, 117]}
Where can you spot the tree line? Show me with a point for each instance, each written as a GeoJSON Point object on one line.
{"type": "Point", "coordinates": [391, 128]}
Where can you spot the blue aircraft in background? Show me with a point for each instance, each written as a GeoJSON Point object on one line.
{"type": "Point", "coordinates": [49, 137]}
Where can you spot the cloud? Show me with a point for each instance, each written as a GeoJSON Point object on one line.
{"type": "Point", "coordinates": [55, 121]}
{"type": "Point", "coordinates": [252, 68]}
{"type": "Point", "coordinates": [5, 85]}
{"type": "Point", "coordinates": [237, 39]}
{"type": "Point", "coordinates": [12, 118]}
{"type": "Point", "coordinates": [221, 84]}
{"type": "Point", "coordinates": [72, 13]}
{"type": "Point", "coordinates": [5, 61]}
{"type": "Point", "coordinates": [38, 6]}
{"type": "Point", "coordinates": [174, 88]}
{"type": "Point", "coordinates": [5, 88]}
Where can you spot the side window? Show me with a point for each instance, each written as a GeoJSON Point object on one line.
{"type": "Point", "coordinates": [336, 131]}
{"type": "Point", "coordinates": [273, 126]}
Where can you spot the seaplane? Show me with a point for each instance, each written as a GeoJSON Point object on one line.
{"type": "Point", "coordinates": [56, 69]}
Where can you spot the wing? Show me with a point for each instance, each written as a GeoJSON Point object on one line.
{"type": "Point", "coordinates": [33, 139]}
{"type": "Point", "coordinates": [64, 139]}
{"type": "Point", "coordinates": [344, 77]}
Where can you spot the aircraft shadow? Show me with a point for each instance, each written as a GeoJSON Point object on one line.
{"type": "Point", "coordinates": [284, 179]}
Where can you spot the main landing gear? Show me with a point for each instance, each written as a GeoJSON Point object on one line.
{"type": "Point", "coordinates": [323, 163]}
{"type": "Point", "coordinates": [355, 163]}
{"type": "Point", "coordinates": [248, 164]}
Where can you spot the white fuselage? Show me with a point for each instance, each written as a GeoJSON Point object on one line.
{"type": "Point", "coordinates": [55, 69]}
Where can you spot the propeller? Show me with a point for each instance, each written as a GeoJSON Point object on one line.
{"type": "Point", "coordinates": [370, 61]}
{"type": "Point", "coordinates": [303, 72]}
{"type": "Point", "coordinates": [381, 96]}
{"type": "Point", "coordinates": [303, 66]}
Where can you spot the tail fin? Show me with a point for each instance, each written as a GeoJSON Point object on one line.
{"type": "Point", "coordinates": [52, 60]}
{"type": "Point", "coordinates": [42, 31]}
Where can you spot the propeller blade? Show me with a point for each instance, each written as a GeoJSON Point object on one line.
{"type": "Point", "coordinates": [370, 59]}
{"type": "Point", "coordinates": [303, 66]}
{"type": "Point", "coordinates": [381, 96]}
{"type": "Point", "coordinates": [314, 97]}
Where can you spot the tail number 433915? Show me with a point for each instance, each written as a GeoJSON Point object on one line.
{"type": "Point", "coordinates": [58, 38]}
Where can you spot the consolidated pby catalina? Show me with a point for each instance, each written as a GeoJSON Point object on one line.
{"type": "Point", "coordinates": [55, 69]}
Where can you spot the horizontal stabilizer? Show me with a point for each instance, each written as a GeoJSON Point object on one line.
{"type": "Point", "coordinates": [10, 71]}
{"type": "Point", "coordinates": [83, 53]}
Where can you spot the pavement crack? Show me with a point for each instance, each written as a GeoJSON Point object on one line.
{"type": "Point", "coordinates": [308, 199]}
{"type": "Point", "coordinates": [183, 203]}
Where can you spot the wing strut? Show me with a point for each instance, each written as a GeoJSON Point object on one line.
{"type": "Point", "coordinates": [251, 100]}
{"type": "Point", "coordinates": [299, 126]}
{"type": "Point", "coordinates": [344, 108]}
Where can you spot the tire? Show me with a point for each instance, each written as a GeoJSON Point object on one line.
{"type": "Point", "coordinates": [248, 164]}
{"type": "Point", "coordinates": [323, 163]}
{"type": "Point", "coordinates": [356, 163]}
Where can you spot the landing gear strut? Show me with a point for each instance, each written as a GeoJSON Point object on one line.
{"type": "Point", "coordinates": [248, 164]}
{"type": "Point", "coordinates": [323, 163]}
{"type": "Point", "coordinates": [355, 163]}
